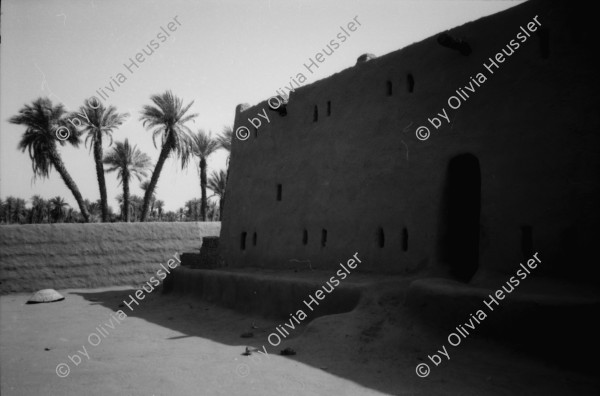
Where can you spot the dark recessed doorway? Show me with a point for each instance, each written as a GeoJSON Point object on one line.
{"type": "Point", "coordinates": [460, 214]}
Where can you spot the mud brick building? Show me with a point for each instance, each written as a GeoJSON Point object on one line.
{"type": "Point", "coordinates": [516, 170]}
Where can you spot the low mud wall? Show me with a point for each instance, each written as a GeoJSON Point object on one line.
{"type": "Point", "coordinates": [61, 256]}
{"type": "Point", "coordinates": [268, 296]}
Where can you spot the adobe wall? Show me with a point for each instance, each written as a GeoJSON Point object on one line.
{"type": "Point", "coordinates": [533, 127]}
{"type": "Point", "coordinates": [61, 256]}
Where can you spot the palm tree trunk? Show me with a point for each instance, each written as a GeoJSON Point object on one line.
{"type": "Point", "coordinates": [9, 211]}
{"type": "Point", "coordinates": [125, 210]}
{"type": "Point", "coordinates": [221, 203]}
{"type": "Point", "coordinates": [164, 154]}
{"type": "Point", "coordinates": [222, 200]}
{"type": "Point", "coordinates": [100, 177]}
{"type": "Point", "coordinates": [203, 188]}
{"type": "Point", "coordinates": [60, 168]}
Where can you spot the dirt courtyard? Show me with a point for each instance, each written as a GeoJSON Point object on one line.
{"type": "Point", "coordinates": [154, 351]}
{"type": "Point", "coordinates": [175, 345]}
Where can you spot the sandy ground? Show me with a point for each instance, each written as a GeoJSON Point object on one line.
{"type": "Point", "coordinates": [141, 356]}
{"type": "Point", "coordinates": [174, 345]}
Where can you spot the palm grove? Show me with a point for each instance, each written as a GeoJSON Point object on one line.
{"type": "Point", "coordinates": [166, 118]}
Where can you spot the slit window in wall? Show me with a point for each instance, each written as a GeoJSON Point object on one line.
{"type": "Point", "coordinates": [305, 237]}
{"type": "Point", "coordinates": [323, 237]}
{"type": "Point", "coordinates": [243, 241]}
{"type": "Point", "coordinates": [380, 237]}
{"type": "Point", "coordinates": [404, 239]}
{"type": "Point", "coordinates": [388, 88]}
{"type": "Point", "coordinates": [316, 114]}
{"type": "Point", "coordinates": [254, 238]}
{"type": "Point", "coordinates": [544, 38]}
{"type": "Point", "coordinates": [279, 192]}
{"type": "Point", "coordinates": [526, 241]}
{"type": "Point", "coordinates": [328, 108]}
{"type": "Point", "coordinates": [410, 83]}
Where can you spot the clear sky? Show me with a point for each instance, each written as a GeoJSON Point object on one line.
{"type": "Point", "coordinates": [223, 53]}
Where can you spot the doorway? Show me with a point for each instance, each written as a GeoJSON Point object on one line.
{"type": "Point", "coordinates": [461, 216]}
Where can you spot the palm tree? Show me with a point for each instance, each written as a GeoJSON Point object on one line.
{"type": "Point", "coordinates": [70, 217]}
{"type": "Point", "coordinates": [3, 217]}
{"type": "Point", "coordinates": [37, 209]}
{"type": "Point", "coordinates": [14, 210]}
{"type": "Point", "coordinates": [47, 124]}
{"type": "Point", "coordinates": [225, 142]}
{"type": "Point", "coordinates": [159, 208]}
{"type": "Point", "coordinates": [102, 122]}
{"type": "Point", "coordinates": [217, 183]}
{"type": "Point", "coordinates": [225, 138]}
{"type": "Point", "coordinates": [171, 216]}
{"type": "Point", "coordinates": [19, 211]}
{"type": "Point", "coordinates": [128, 161]}
{"type": "Point", "coordinates": [136, 203]}
{"type": "Point", "coordinates": [119, 199]}
{"type": "Point", "coordinates": [58, 208]}
{"type": "Point", "coordinates": [213, 211]}
{"type": "Point", "coordinates": [95, 209]}
{"type": "Point", "coordinates": [144, 186]}
{"type": "Point", "coordinates": [193, 209]}
{"type": "Point", "coordinates": [8, 208]}
{"type": "Point", "coordinates": [203, 146]}
{"type": "Point", "coordinates": [130, 209]}
{"type": "Point", "coordinates": [167, 119]}
{"type": "Point", "coordinates": [48, 211]}
{"type": "Point", "coordinates": [190, 207]}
